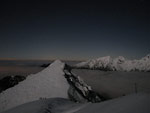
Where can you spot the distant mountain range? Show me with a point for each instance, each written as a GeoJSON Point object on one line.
{"type": "Point", "coordinates": [117, 64]}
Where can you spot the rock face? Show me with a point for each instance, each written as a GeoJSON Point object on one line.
{"type": "Point", "coordinates": [79, 91]}
{"type": "Point", "coordinates": [117, 64]}
{"type": "Point", "coordinates": [48, 83]}
{"type": "Point", "coordinates": [10, 81]}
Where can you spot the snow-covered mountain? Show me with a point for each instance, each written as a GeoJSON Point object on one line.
{"type": "Point", "coordinates": [56, 80]}
{"type": "Point", "coordinates": [117, 64]}
{"type": "Point", "coordinates": [47, 92]}
{"type": "Point", "coordinates": [48, 83]}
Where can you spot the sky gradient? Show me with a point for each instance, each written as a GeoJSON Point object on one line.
{"type": "Point", "coordinates": [74, 30]}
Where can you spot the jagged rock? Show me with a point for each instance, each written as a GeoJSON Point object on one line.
{"type": "Point", "coordinates": [75, 96]}
{"type": "Point", "coordinates": [79, 91]}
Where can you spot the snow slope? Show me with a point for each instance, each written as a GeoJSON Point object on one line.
{"type": "Point", "coordinates": [52, 105]}
{"type": "Point", "coordinates": [48, 83]}
{"type": "Point", "coordinates": [117, 64]}
{"type": "Point", "coordinates": [135, 103]}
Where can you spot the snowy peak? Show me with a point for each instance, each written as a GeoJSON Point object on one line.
{"type": "Point", "coordinates": [119, 60]}
{"type": "Point", "coordinates": [56, 80]}
{"type": "Point", "coordinates": [102, 62]}
{"type": "Point", "coordinates": [96, 63]}
{"type": "Point", "coordinates": [56, 66]}
{"type": "Point", "coordinates": [48, 83]}
{"type": "Point", "coordinates": [117, 64]}
{"type": "Point", "coordinates": [57, 63]}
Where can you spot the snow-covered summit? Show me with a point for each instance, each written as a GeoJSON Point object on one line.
{"type": "Point", "coordinates": [46, 84]}
{"type": "Point", "coordinates": [101, 62]}
{"type": "Point", "coordinates": [117, 64]}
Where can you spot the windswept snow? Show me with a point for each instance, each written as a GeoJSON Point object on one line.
{"type": "Point", "coordinates": [46, 84]}
{"type": "Point", "coordinates": [117, 64]}
{"type": "Point", "coordinates": [52, 105]}
{"type": "Point", "coordinates": [135, 103]}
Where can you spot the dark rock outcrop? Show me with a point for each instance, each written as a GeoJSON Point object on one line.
{"type": "Point", "coordinates": [79, 91]}
{"type": "Point", "coordinates": [45, 65]}
{"type": "Point", "coordinates": [10, 81]}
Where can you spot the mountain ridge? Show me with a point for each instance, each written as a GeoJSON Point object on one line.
{"type": "Point", "coordinates": [117, 64]}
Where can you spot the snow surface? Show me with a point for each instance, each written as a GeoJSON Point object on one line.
{"type": "Point", "coordinates": [48, 83]}
{"type": "Point", "coordinates": [52, 105]}
{"type": "Point", "coordinates": [117, 64]}
{"type": "Point", "coordinates": [135, 103]}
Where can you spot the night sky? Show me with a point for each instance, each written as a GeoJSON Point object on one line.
{"type": "Point", "coordinates": [74, 30]}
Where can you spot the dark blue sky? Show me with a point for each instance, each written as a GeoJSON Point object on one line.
{"type": "Point", "coordinates": [74, 30]}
